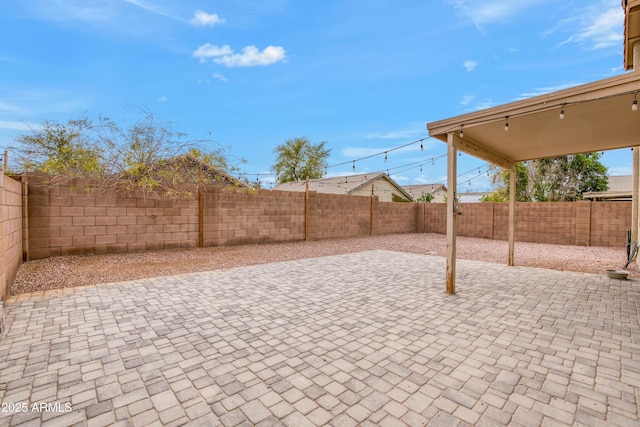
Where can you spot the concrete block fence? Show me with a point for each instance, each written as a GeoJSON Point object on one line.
{"type": "Point", "coordinates": [40, 220]}
{"type": "Point", "coordinates": [11, 236]}
{"type": "Point", "coordinates": [564, 223]}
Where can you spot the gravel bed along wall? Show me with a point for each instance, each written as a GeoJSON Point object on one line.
{"type": "Point", "coordinates": [69, 271]}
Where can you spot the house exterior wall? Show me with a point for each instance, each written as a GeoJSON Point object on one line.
{"type": "Point", "coordinates": [383, 189]}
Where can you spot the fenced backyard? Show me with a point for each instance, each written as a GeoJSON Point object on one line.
{"type": "Point", "coordinates": [40, 220]}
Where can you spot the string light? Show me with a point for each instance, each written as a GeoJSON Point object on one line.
{"type": "Point", "coordinates": [546, 107]}
{"type": "Point", "coordinates": [562, 112]}
{"type": "Point", "coordinates": [506, 124]}
{"type": "Point", "coordinates": [421, 146]}
{"type": "Point", "coordinates": [353, 168]}
{"type": "Point", "coordinates": [461, 132]}
{"type": "Point", "coordinates": [385, 157]}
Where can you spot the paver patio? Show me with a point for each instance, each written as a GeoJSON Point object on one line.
{"type": "Point", "coordinates": [362, 339]}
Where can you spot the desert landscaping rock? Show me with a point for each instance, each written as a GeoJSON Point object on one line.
{"type": "Point", "coordinates": [70, 271]}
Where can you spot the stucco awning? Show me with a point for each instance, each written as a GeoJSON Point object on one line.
{"type": "Point", "coordinates": [593, 117]}
{"type": "Point", "coordinates": [631, 30]}
{"type": "Point", "coordinates": [597, 117]}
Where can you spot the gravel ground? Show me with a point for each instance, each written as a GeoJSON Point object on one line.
{"type": "Point", "coordinates": [68, 271]}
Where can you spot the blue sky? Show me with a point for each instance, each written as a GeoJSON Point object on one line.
{"type": "Point", "coordinates": [364, 76]}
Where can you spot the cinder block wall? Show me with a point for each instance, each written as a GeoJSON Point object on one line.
{"type": "Point", "coordinates": [609, 223]}
{"type": "Point", "coordinates": [233, 217]}
{"type": "Point", "coordinates": [571, 223]}
{"type": "Point", "coordinates": [392, 218]}
{"type": "Point", "coordinates": [10, 233]}
{"type": "Point", "coordinates": [333, 216]}
{"type": "Point", "coordinates": [74, 219]}
{"type": "Point", "coordinates": [435, 218]}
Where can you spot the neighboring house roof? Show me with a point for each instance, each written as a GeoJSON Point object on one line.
{"type": "Point", "coordinates": [621, 183]}
{"type": "Point", "coordinates": [436, 190]}
{"type": "Point", "coordinates": [620, 188]}
{"type": "Point", "coordinates": [213, 175]}
{"type": "Point", "coordinates": [347, 184]}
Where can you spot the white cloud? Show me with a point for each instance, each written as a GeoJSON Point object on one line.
{"type": "Point", "coordinates": [17, 125]}
{"type": "Point", "coordinates": [547, 89]}
{"type": "Point", "coordinates": [65, 10]}
{"type": "Point", "coordinates": [595, 27]}
{"type": "Point", "coordinates": [483, 105]}
{"type": "Point", "coordinates": [470, 65]}
{"type": "Point", "coordinates": [413, 130]}
{"type": "Point", "coordinates": [153, 8]}
{"type": "Point", "coordinates": [486, 11]}
{"type": "Point", "coordinates": [620, 170]}
{"type": "Point", "coordinates": [162, 99]}
{"type": "Point", "coordinates": [467, 99]}
{"type": "Point", "coordinates": [204, 19]}
{"type": "Point", "coordinates": [208, 51]}
{"type": "Point", "coordinates": [599, 30]}
{"type": "Point", "coordinates": [10, 108]}
{"type": "Point", "coordinates": [249, 57]}
{"type": "Point", "coordinates": [219, 76]}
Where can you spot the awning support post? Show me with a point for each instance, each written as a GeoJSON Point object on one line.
{"type": "Point", "coordinates": [512, 214]}
{"type": "Point", "coordinates": [634, 195]}
{"type": "Point", "coordinates": [452, 213]}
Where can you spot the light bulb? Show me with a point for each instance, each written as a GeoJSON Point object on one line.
{"type": "Point", "coordinates": [506, 124]}
{"type": "Point", "coordinates": [461, 132]}
{"type": "Point", "coordinates": [634, 104]}
{"type": "Point", "coordinates": [562, 113]}
{"type": "Point", "coordinates": [385, 156]}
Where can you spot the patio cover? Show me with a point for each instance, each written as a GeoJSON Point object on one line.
{"type": "Point", "coordinates": [597, 116]}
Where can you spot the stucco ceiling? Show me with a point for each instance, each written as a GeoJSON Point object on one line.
{"type": "Point", "coordinates": [597, 117]}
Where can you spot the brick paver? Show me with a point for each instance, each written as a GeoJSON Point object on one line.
{"type": "Point", "coordinates": [367, 338]}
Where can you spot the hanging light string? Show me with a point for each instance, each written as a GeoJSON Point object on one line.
{"type": "Point", "coordinates": [468, 181]}
{"type": "Point", "coordinates": [385, 153]}
{"type": "Point", "coordinates": [352, 161]}
{"type": "Point", "coordinates": [547, 107]}
{"type": "Point", "coordinates": [477, 168]}
{"type": "Point", "coordinates": [420, 164]}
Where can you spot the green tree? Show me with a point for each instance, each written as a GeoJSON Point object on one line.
{"type": "Point", "coordinates": [60, 149]}
{"type": "Point", "coordinates": [556, 179]}
{"type": "Point", "coordinates": [500, 178]}
{"type": "Point", "coordinates": [148, 155]}
{"type": "Point", "coordinates": [298, 159]}
{"type": "Point", "coordinates": [425, 197]}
